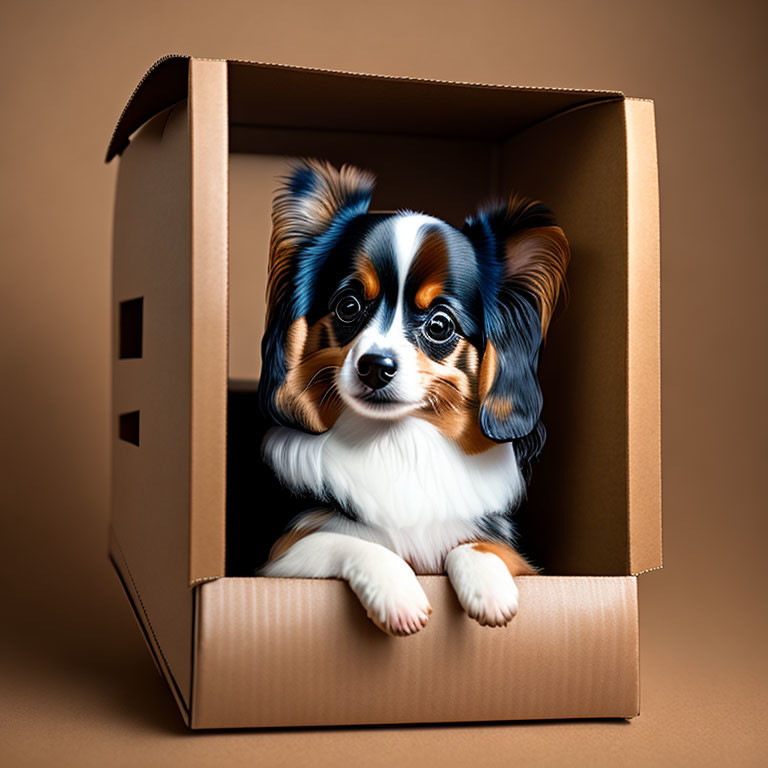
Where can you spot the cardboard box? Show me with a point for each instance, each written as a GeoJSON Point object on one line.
{"type": "Point", "coordinates": [201, 142]}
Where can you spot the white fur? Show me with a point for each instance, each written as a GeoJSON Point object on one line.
{"type": "Point", "coordinates": [483, 584]}
{"type": "Point", "coordinates": [408, 227]}
{"type": "Point", "coordinates": [383, 582]}
{"type": "Point", "coordinates": [417, 491]}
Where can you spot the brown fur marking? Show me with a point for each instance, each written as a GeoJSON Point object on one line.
{"type": "Point", "coordinates": [308, 524]}
{"type": "Point", "coordinates": [452, 398]}
{"type": "Point", "coordinates": [515, 562]}
{"type": "Point", "coordinates": [499, 406]}
{"type": "Point", "coordinates": [366, 274]}
{"type": "Point", "coordinates": [537, 260]}
{"type": "Point", "coordinates": [429, 268]}
{"type": "Point", "coordinates": [488, 370]}
{"type": "Point", "coordinates": [427, 293]}
{"type": "Point", "coordinates": [309, 390]}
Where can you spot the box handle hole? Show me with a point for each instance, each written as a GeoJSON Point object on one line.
{"type": "Point", "coordinates": [131, 328]}
{"type": "Point", "coordinates": [129, 427]}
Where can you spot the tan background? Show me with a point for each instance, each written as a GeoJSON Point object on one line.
{"type": "Point", "coordinates": [77, 684]}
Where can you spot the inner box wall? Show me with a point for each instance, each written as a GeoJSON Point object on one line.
{"type": "Point", "coordinates": [577, 164]}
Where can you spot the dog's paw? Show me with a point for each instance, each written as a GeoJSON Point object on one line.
{"type": "Point", "coordinates": [483, 584]}
{"type": "Point", "coordinates": [390, 593]}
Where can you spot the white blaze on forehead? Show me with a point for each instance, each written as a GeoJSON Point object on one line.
{"type": "Point", "coordinates": [407, 240]}
{"type": "Point", "coordinates": [408, 231]}
{"type": "Point", "coordinates": [385, 331]}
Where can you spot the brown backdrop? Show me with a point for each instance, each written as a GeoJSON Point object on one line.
{"type": "Point", "coordinates": [77, 685]}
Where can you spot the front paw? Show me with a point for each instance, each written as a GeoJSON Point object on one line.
{"type": "Point", "coordinates": [390, 593]}
{"type": "Point", "coordinates": [483, 584]}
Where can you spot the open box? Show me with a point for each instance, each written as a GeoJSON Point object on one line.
{"type": "Point", "coordinates": [189, 508]}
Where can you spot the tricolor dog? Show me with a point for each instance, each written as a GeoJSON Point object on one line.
{"type": "Point", "coordinates": [400, 373]}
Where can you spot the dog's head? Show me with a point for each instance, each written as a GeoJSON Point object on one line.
{"type": "Point", "coordinates": [396, 314]}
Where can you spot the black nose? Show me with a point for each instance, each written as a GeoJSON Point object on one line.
{"type": "Point", "coordinates": [376, 371]}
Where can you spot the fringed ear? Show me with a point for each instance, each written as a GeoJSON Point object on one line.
{"type": "Point", "coordinates": [522, 258]}
{"type": "Point", "coordinates": [312, 208]}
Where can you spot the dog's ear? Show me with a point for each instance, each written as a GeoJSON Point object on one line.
{"type": "Point", "coordinates": [522, 257]}
{"type": "Point", "coordinates": [311, 211]}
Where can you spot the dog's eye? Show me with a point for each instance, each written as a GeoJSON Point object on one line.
{"type": "Point", "coordinates": [439, 327]}
{"type": "Point", "coordinates": [348, 308]}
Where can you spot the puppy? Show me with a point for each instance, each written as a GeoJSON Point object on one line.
{"type": "Point", "coordinates": [400, 367]}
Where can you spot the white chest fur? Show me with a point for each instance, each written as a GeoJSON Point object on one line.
{"type": "Point", "coordinates": [396, 475]}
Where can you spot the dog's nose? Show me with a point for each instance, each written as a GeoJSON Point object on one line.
{"type": "Point", "coordinates": [376, 371]}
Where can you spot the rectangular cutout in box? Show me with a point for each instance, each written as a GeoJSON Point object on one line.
{"type": "Point", "coordinates": [129, 427]}
{"type": "Point", "coordinates": [131, 328]}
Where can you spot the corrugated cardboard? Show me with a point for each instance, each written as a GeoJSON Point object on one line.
{"type": "Point", "coordinates": [643, 339]}
{"type": "Point", "coordinates": [151, 481]}
{"type": "Point", "coordinates": [201, 141]}
{"type": "Point", "coordinates": [273, 652]}
{"type": "Point", "coordinates": [209, 138]}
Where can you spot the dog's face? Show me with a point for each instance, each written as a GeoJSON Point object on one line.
{"type": "Point", "coordinates": [397, 314]}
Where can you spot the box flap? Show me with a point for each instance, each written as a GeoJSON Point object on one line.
{"type": "Point", "coordinates": [643, 358]}
{"type": "Point", "coordinates": [272, 94]}
{"type": "Point", "coordinates": [164, 84]}
{"type": "Point", "coordinates": [276, 95]}
{"type": "Point", "coordinates": [209, 185]}
{"type": "Point", "coordinates": [301, 652]}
